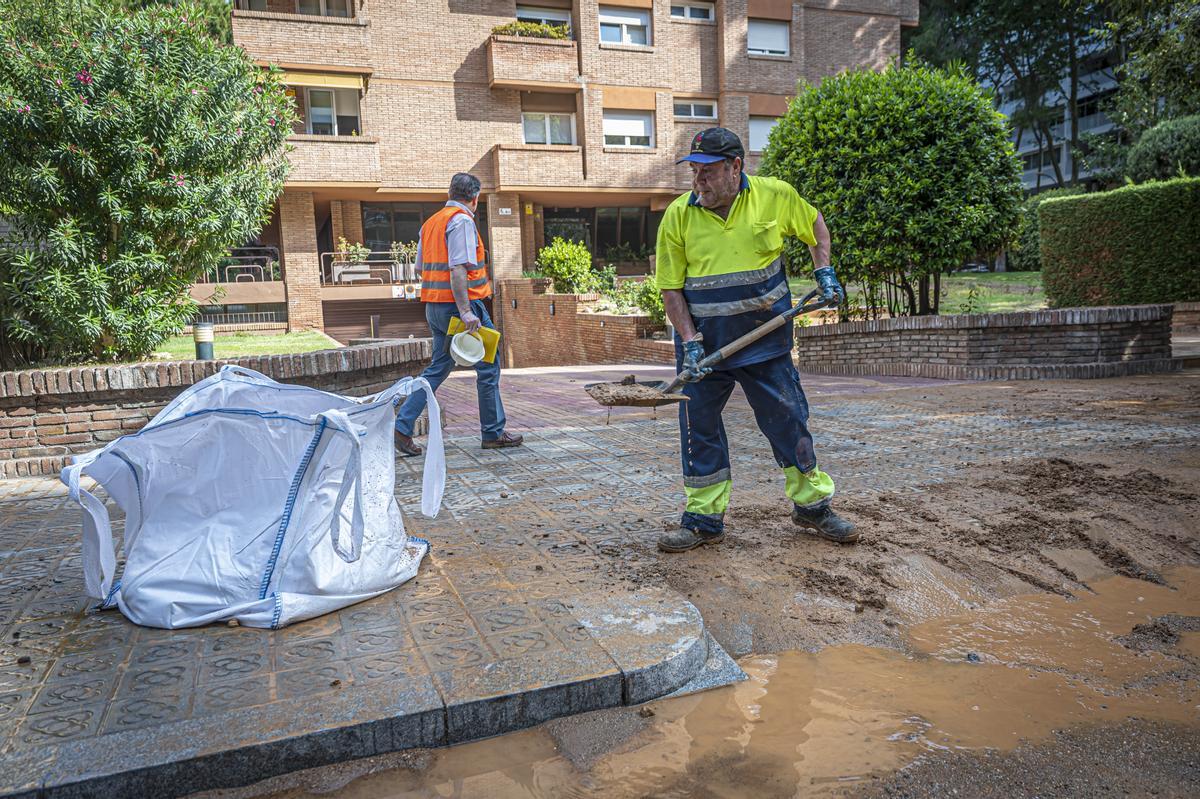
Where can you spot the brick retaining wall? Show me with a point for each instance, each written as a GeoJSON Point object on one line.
{"type": "Point", "coordinates": [556, 330]}
{"type": "Point", "coordinates": [48, 414]}
{"type": "Point", "coordinates": [1071, 343]}
{"type": "Point", "coordinates": [547, 329]}
{"type": "Point", "coordinates": [1186, 318]}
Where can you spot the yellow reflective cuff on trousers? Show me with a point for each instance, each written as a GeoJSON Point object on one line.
{"type": "Point", "coordinates": [808, 489]}
{"type": "Point", "coordinates": [710, 500]}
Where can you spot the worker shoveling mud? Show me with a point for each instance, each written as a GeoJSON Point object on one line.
{"type": "Point", "coordinates": [632, 394]}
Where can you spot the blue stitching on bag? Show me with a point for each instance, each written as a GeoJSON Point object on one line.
{"type": "Point", "coordinates": [116, 453]}
{"type": "Point", "coordinates": [108, 600]}
{"type": "Point", "coordinates": [287, 509]}
{"type": "Point", "coordinates": [278, 611]}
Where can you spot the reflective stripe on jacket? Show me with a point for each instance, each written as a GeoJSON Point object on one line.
{"type": "Point", "coordinates": [726, 307]}
{"type": "Point", "coordinates": [435, 261]}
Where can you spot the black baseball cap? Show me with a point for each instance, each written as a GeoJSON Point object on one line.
{"type": "Point", "coordinates": [712, 145]}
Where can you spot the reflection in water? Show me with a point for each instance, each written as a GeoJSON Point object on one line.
{"type": "Point", "coordinates": [807, 723]}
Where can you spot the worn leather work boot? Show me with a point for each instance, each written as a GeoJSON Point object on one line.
{"type": "Point", "coordinates": [825, 523]}
{"type": "Point", "coordinates": [682, 539]}
{"type": "Point", "coordinates": [505, 440]}
{"type": "Point", "coordinates": [406, 447]}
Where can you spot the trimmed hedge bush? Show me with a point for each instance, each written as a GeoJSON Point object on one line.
{"type": "Point", "coordinates": [1165, 150]}
{"type": "Point", "coordinates": [1025, 255]}
{"type": "Point", "coordinates": [1137, 244]}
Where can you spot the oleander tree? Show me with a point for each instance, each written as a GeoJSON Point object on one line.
{"type": "Point", "coordinates": [913, 169]}
{"type": "Point", "coordinates": [137, 150]}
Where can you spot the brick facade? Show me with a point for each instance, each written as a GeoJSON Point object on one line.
{"type": "Point", "coordinates": [46, 415]}
{"type": "Point", "coordinates": [301, 261]}
{"type": "Point", "coordinates": [443, 95]}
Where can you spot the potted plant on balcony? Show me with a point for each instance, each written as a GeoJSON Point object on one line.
{"type": "Point", "coordinates": [531, 30]}
{"type": "Point", "coordinates": [350, 261]}
{"type": "Point", "coordinates": [404, 260]}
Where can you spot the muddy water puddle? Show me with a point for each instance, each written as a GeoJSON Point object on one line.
{"type": "Point", "coordinates": [817, 724]}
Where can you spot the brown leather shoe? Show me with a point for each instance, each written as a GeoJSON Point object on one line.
{"type": "Point", "coordinates": [406, 447]}
{"type": "Point", "coordinates": [505, 440]}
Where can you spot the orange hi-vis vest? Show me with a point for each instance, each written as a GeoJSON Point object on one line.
{"type": "Point", "coordinates": [435, 261]}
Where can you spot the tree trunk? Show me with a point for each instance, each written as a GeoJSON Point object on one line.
{"type": "Point", "coordinates": [937, 293]}
{"type": "Point", "coordinates": [909, 294]}
{"type": "Point", "coordinates": [923, 287]}
{"type": "Point", "coordinates": [1073, 98]}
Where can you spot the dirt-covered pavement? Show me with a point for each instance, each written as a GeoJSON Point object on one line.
{"type": "Point", "coordinates": [992, 515]}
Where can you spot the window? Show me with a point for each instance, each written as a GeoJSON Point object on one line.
{"type": "Point", "coordinates": [332, 112]}
{"type": "Point", "coordinates": [768, 37]}
{"type": "Point", "coordinates": [628, 129]}
{"type": "Point", "coordinates": [624, 25]}
{"type": "Point", "coordinates": [693, 11]}
{"type": "Point", "coordinates": [696, 109]}
{"type": "Point", "coordinates": [384, 223]}
{"type": "Point", "coordinates": [560, 17]}
{"type": "Point", "coordinates": [1043, 159]}
{"type": "Point", "coordinates": [760, 128]}
{"type": "Point", "coordinates": [252, 5]}
{"type": "Point", "coordinates": [324, 8]}
{"type": "Point", "coordinates": [546, 128]}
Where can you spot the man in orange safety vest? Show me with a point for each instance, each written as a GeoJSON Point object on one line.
{"type": "Point", "coordinates": [454, 283]}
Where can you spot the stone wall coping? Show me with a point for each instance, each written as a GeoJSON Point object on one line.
{"type": "Point", "coordinates": [1067, 316]}
{"type": "Point", "coordinates": [360, 21]}
{"type": "Point", "coordinates": [317, 137]}
{"type": "Point", "coordinates": [165, 374]}
{"type": "Point", "coordinates": [537, 40]}
{"type": "Point", "coordinates": [540, 148]}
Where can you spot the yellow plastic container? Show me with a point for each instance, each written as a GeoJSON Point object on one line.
{"type": "Point", "coordinates": [489, 337]}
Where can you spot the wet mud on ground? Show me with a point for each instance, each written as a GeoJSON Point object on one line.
{"type": "Point", "coordinates": [1061, 587]}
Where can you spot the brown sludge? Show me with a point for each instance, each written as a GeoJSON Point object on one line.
{"type": "Point", "coordinates": [630, 394]}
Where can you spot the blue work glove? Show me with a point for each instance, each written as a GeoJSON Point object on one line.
{"type": "Point", "coordinates": [693, 353]}
{"type": "Point", "coordinates": [831, 289]}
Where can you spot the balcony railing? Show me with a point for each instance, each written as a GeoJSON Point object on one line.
{"type": "Point", "coordinates": [249, 318]}
{"type": "Point", "coordinates": [289, 37]}
{"type": "Point", "coordinates": [538, 165]}
{"type": "Point", "coordinates": [247, 265]}
{"type": "Point", "coordinates": [378, 269]}
{"type": "Point", "coordinates": [340, 158]}
{"type": "Point", "coordinates": [521, 62]}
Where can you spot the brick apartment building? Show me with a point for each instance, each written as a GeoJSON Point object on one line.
{"type": "Point", "coordinates": [573, 137]}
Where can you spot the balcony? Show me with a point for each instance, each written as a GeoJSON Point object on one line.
{"type": "Point", "coordinates": [291, 39]}
{"type": "Point", "coordinates": [341, 159]}
{"type": "Point", "coordinates": [522, 62]}
{"type": "Point", "coordinates": [537, 166]}
{"type": "Point", "coordinates": [376, 276]}
{"type": "Point", "coordinates": [247, 276]}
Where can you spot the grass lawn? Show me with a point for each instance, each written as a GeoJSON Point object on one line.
{"type": "Point", "coordinates": [995, 292]}
{"type": "Point", "coordinates": [232, 345]}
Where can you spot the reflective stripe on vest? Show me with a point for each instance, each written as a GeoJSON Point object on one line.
{"type": "Point", "coordinates": [727, 307]}
{"type": "Point", "coordinates": [435, 261]}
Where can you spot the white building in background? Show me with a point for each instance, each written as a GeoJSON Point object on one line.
{"type": "Point", "coordinates": [1096, 85]}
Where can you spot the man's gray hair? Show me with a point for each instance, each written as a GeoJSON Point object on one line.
{"type": "Point", "coordinates": [464, 187]}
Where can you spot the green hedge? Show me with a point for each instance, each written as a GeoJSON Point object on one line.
{"type": "Point", "coordinates": [1025, 253]}
{"type": "Point", "coordinates": [1137, 244]}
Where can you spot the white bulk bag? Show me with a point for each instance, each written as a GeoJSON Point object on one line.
{"type": "Point", "coordinates": [254, 500]}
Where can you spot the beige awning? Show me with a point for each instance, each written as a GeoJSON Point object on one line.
{"type": "Point", "coordinates": [327, 79]}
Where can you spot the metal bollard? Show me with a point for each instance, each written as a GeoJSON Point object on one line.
{"type": "Point", "coordinates": [202, 335]}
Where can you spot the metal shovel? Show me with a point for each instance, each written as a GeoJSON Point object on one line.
{"type": "Point", "coordinates": [629, 393]}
